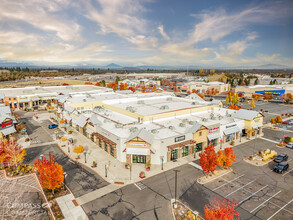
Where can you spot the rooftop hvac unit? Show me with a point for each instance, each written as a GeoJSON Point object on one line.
{"type": "Point", "coordinates": [133, 129]}
{"type": "Point", "coordinates": [169, 99]}
{"type": "Point", "coordinates": [185, 120]}
{"type": "Point", "coordinates": [171, 127]}
{"type": "Point", "coordinates": [140, 102]}
{"type": "Point", "coordinates": [204, 119]}
{"type": "Point", "coordinates": [118, 126]}
{"type": "Point", "coordinates": [191, 122]}
{"type": "Point", "coordinates": [154, 131]}
{"type": "Point", "coordinates": [106, 120]}
{"type": "Point", "coordinates": [181, 125]}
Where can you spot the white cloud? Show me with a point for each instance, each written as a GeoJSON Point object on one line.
{"type": "Point", "coordinates": [268, 58]}
{"type": "Point", "coordinates": [163, 33]}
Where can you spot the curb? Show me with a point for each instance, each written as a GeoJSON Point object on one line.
{"type": "Point", "coordinates": [215, 177]}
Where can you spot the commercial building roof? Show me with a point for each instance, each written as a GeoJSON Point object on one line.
{"type": "Point", "coordinates": [143, 134]}
{"type": "Point", "coordinates": [81, 121]}
{"type": "Point", "coordinates": [7, 131]}
{"type": "Point", "coordinates": [246, 114]}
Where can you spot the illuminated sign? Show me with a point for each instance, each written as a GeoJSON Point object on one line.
{"type": "Point", "coordinates": [213, 130]}
{"type": "Point", "coordinates": [137, 144]}
{"type": "Point", "coordinates": [273, 92]}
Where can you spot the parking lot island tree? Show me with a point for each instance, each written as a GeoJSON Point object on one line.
{"type": "Point", "coordinates": [229, 156]}
{"type": "Point", "coordinates": [78, 150]}
{"type": "Point", "coordinates": [220, 209]}
{"type": "Point", "coordinates": [208, 159]}
{"type": "Point", "coordinates": [51, 173]}
{"type": "Point", "coordinates": [12, 152]}
{"type": "Point", "coordinates": [252, 104]}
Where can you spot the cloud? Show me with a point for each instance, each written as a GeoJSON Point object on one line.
{"type": "Point", "coordinates": [217, 24]}
{"type": "Point", "coordinates": [37, 14]}
{"type": "Point", "coordinates": [163, 33]}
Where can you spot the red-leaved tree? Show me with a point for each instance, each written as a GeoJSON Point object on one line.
{"type": "Point", "coordinates": [208, 159]}
{"type": "Point", "coordinates": [220, 210]}
{"type": "Point", "coordinates": [51, 173]}
{"type": "Point", "coordinates": [229, 156]}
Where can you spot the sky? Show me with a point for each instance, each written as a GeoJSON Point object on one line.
{"type": "Point", "coordinates": [213, 33]}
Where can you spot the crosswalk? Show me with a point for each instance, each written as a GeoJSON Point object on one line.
{"type": "Point", "coordinates": [140, 185]}
{"type": "Point", "coordinates": [29, 181]}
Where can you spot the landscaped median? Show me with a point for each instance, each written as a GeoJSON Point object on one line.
{"type": "Point", "coordinates": [182, 212]}
{"type": "Point", "coordinates": [261, 158]}
{"type": "Point", "coordinates": [209, 160]}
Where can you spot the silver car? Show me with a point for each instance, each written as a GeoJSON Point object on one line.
{"type": "Point", "coordinates": [290, 145]}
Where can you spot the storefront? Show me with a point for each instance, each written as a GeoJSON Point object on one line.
{"type": "Point", "coordinates": [138, 155]}
{"type": "Point", "coordinates": [213, 138]}
{"type": "Point", "coordinates": [231, 133]}
{"type": "Point", "coordinates": [179, 150]}
{"type": "Point", "coordinates": [105, 143]}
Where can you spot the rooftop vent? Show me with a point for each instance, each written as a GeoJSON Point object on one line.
{"type": "Point", "coordinates": [140, 102]}
{"type": "Point", "coordinates": [204, 119]}
{"type": "Point", "coordinates": [133, 129]}
{"type": "Point", "coordinates": [171, 127]}
{"type": "Point", "coordinates": [185, 120]}
{"type": "Point", "coordinates": [164, 107]}
{"type": "Point", "coordinates": [130, 108]}
{"type": "Point", "coordinates": [119, 125]}
{"type": "Point", "coordinates": [182, 125]}
{"type": "Point", "coordinates": [194, 103]}
{"type": "Point", "coordinates": [154, 131]}
{"type": "Point", "coordinates": [191, 122]}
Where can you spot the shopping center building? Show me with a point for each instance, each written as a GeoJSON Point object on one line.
{"type": "Point", "coordinates": [154, 127]}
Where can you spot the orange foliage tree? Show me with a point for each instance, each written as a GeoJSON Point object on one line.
{"type": "Point", "coordinates": [88, 83]}
{"type": "Point", "coordinates": [12, 152]}
{"type": "Point", "coordinates": [229, 156]}
{"type": "Point", "coordinates": [256, 96]}
{"type": "Point", "coordinates": [132, 89]}
{"type": "Point", "coordinates": [51, 173]}
{"type": "Point", "coordinates": [279, 119]}
{"type": "Point", "coordinates": [193, 91]}
{"type": "Point", "coordinates": [268, 96]}
{"type": "Point", "coordinates": [201, 95]}
{"type": "Point", "coordinates": [208, 159]}
{"type": "Point", "coordinates": [220, 209]}
{"type": "Point", "coordinates": [98, 84]}
{"type": "Point", "coordinates": [235, 107]}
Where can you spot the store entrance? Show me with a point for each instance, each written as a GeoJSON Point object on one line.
{"type": "Point", "coordinates": [138, 159]}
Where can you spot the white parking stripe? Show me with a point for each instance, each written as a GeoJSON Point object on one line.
{"type": "Point", "coordinates": [253, 194]}
{"type": "Point", "coordinates": [280, 209]}
{"type": "Point", "coordinates": [227, 182]}
{"type": "Point", "coordinates": [265, 201]}
{"type": "Point", "coordinates": [287, 172]}
{"type": "Point", "coordinates": [239, 188]}
{"type": "Point", "coordinates": [276, 142]}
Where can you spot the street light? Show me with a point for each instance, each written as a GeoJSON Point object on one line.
{"type": "Point", "coordinates": [106, 169]}
{"type": "Point", "coordinates": [68, 147]}
{"type": "Point", "coordinates": [64, 176]}
{"type": "Point", "coordinates": [84, 153]}
{"type": "Point", "coordinates": [162, 159]}
{"type": "Point", "coordinates": [176, 171]}
{"type": "Point", "coordinates": [130, 168]}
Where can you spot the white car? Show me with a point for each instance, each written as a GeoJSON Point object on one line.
{"type": "Point", "coordinates": [290, 145]}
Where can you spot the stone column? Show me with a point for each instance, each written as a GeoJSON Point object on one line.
{"type": "Point", "coordinates": [148, 158]}
{"type": "Point", "coordinates": [168, 156]}
{"type": "Point", "coordinates": [224, 139]}
{"type": "Point", "coordinates": [115, 152]}
{"type": "Point", "coordinates": [237, 135]}
{"type": "Point", "coordinates": [260, 130]}
{"type": "Point", "coordinates": [190, 149]}
{"type": "Point", "coordinates": [108, 148]}
{"type": "Point", "coordinates": [128, 158]}
{"type": "Point", "coordinates": [179, 152]}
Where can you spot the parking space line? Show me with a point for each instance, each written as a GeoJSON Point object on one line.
{"type": "Point", "coordinates": [276, 142]}
{"type": "Point", "coordinates": [239, 188]}
{"type": "Point", "coordinates": [287, 172]}
{"type": "Point", "coordinates": [227, 182]}
{"type": "Point", "coordinates": [280, 209]}
{"type": "Point", "coordinates": [267, 200]}
{"type": "Point", "coordinates": [253, 194]}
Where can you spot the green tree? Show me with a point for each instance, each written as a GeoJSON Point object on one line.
{"type": "Point", "coordinates": [256, 81]}
{"type": "Point", "coordinates": [117, 79]}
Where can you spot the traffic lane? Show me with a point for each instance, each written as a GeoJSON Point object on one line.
{"type": "Point", "coordinates": [52, 131]}
{"type": "Point", "coordinates": [80, 179]}
{"type": "Point", "coordinates": [35, 131]}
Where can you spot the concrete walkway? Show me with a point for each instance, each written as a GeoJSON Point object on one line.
{"type": "Point", "coordinates": [69, 210]}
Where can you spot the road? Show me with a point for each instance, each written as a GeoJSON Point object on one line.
{"type": "Point", "coordinates": [80, 179]}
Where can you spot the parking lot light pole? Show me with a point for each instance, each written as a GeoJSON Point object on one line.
{"type": "Point", "coordinates": [64, 176]}
{"type": "Point", "coordinates": [106, 170]}
{"type": "Point", "coordinates": [84, 153]}
{"type": "Point", "coordinates": [130, 168]}
{"type": "Point", "coordinates": [162, 159]}
{"type": "Point", "coordinates": [176, 171]}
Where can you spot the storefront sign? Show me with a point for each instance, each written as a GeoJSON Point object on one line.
{"type": "Point", "coordinates": [5, 124]}
{"type": "Point", "coordinates": [137, 144]}
{"type": "Point", "coordinates": [213, 130]}
{"type": "Point", "coordinates": [230, 126]}
{"type": "Point", "coordinates": [181, 138]}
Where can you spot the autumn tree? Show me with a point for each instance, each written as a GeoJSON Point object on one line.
{"type": "Point", "coordinates": [208, 159]}
{"type": "Point", "coordinates": [279, 119]}
{"type": "Point", "coordinates": [13, 152]}
{"type": "Point", "coordinates": [287, 97]}
{"type": "Point", "coordinates": [201, 95]}
{"type": "Point", "coordinates": [221, 158]}
{"type": "Point", "coordinates": [228, 98]}
{"type": "Point", "coordinates": [220, 210]}
{"type": "Point", "coordinates": [235, 99]}
{"type": "Point", "coordinates": [268, 96]}
{"type": "Point", "coordinates": [51, 173]}
{"type": "Point", "coordinates": [234, 107]}
{"type": "Point", "coordinates": [78, 149]}
{"type": "Point", "coordinates": [252, 104]}
{"type": "Point", "coordinates": [229, 156]}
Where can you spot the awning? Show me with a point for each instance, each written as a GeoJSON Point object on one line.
{"type": "Point", "coordinates": [89, 131]}
{"type": "Point", "coordinates": [138, 151]}
{"type": "Point", "coordinates": [232, 130]}
{"type": "Point", "coordinates": [214, 136]}
{"type": "Point", "coordinates": [8, 131]}
{"type": "Point", "coordinates": [256, 126]}
{"type": "Point", "coordinates": [23, 100]}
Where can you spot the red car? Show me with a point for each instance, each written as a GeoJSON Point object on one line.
{"type": "Point", "coordinates": [286, 123]}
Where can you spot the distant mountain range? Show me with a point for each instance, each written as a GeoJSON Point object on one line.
{"type": "Point", "coordinates": [133, 68]}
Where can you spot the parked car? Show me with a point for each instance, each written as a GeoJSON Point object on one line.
{"type": "Point", "coordinates": [51, 126]}
{"type": "Point", "coordinates": [286, 122]}
{"type": "Point", "coordinates": [281, 167]}
{"type": "Point", "coordinates": [280, 158]}
{"type": "Point", "coordinates": [290, 145]}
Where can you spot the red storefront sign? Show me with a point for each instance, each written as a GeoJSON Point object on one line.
{"type": "Point", "coordinates": [6, 124]}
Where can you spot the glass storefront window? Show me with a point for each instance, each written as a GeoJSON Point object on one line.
{"type": "Point", "coordinates": [198, 147]}
{"type": "Point", "coordinates": [105, 147]}
{"type": "Point", "coordinates": [112, 151]}
{"type": "Point", "coordinates": [138, 159]}
{"type": "Point", "coordinates": [230, 137]}
{"type": "Point", "coordinates": [174, 154]}
{"type": "Point", "coordinates": [185, 151]}
{"type": "Point", "coordinates": [100, 143]}
{"type": "Point", "coordinates": [213, 142]}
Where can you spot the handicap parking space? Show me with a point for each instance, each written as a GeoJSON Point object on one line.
{"type": "Point", "coordinates": [263, 200]}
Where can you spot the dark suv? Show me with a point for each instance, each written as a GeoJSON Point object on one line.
{"type": "Point", "coordinates": [280, 158]}
{"type": "Point", "coordinates": [281, 167]}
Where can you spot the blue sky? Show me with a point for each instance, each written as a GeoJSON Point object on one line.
{"type": "Point", "coordinates": [147, 32]}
